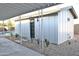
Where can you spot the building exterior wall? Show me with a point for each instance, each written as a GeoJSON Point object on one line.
{"type": "Point", "coordinates": [55, 28]}
{"type": "Point", "coordinates": [65, 26]}
{"type": "Point", "coordinates": [47, 28]}
{"type": "Point", "coordinates": [25, 28]}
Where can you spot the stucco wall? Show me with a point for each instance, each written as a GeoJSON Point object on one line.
{"type": "Point", "coordinates": [76, 28]}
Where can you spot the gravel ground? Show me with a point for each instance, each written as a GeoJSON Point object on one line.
{"type": "Point", "coordinates": [68, 48]}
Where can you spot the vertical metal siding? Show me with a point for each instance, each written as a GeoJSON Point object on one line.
{"type": "Point", "coordinates": [25, 28]}
{"type": "Point", "coordinates": [49, 28]}
{"type": "Point", "coordinates": [55, 28]}
{"type": "Point", "coordinates": [65, 27]}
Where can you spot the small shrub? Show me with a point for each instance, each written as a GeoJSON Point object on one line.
{"type": "Point", "coordinates": [16, 35]}
{"type": "Point", "coordinates": [46, 42]}
{"type": "Point", "coordinates": [69, 43]}
{"type": "Point", "coordinates": [38, 41]}
{"type": "Point", "coordinates": [11, 34]}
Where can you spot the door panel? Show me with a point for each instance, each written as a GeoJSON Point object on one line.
{"type": "Point", "coordinates": [32, 28]}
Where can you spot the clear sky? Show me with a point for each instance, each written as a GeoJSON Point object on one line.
{"type": "Point", "coordinates": [75, 4]}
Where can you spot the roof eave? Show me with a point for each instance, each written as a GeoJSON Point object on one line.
{"type": "Point", "coordinates": [73, 13]}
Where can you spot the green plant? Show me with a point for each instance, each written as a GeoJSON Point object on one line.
{"type": "Point", "coordinates": [10, 24]}
{"type": "Point", "coordinates": [11, 34]}
{"type": "Point", "coordinates": [16, 35]}
{"type": "Point", "coordinates": [46, 42]}
{"type": "Point", "coordinates": [38, 41]}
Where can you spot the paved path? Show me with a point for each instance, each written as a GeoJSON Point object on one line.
{"type": "Point", "coordinates": [9, 48]}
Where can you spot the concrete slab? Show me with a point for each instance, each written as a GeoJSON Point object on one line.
{"type": "Point", "coordinates": [9, 48]}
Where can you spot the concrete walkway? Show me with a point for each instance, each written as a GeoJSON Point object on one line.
{"type": "Point", "coordinates": [9, 48]}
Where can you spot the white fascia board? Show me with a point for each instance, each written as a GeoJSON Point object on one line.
{"type": "Point", "coordinates": [49, 10]}
{"type": "Point", "coordinates": [45, 11]}
{"type": "Point", "coordinates": [15, 18]}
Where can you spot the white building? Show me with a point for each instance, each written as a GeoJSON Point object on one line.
{"type": "Point", "coordinates": [56, 25]}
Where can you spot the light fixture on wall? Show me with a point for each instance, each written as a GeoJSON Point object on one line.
{"type": "Point", "coordinates": [37, 19]}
